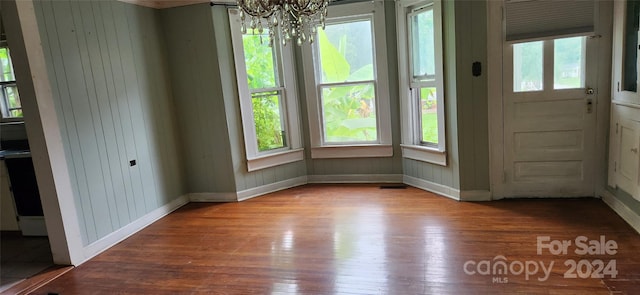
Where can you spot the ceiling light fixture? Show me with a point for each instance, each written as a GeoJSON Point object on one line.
{"type": "Point", "coordinates": [296, 19]}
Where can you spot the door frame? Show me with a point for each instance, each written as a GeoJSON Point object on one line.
{"type": "Point", "coordinates": [43, 133]}
{"type": "Point", "coordinates": [495, 46]}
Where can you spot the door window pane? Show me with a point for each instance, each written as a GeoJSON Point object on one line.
{"type": "Point", "coordinates": [349, 113]}
{"type": "Point", "coordinates": [422, 46]}
{"type": "Point", "coordinates": [259, 60]}
{"type": "Point", "coordinates": [568, 63]}
{"type": "Point", "coordinates": [428, 115]}
{"type": "Point", "coordinates": [268, 118]}
{"type": "Point", "coordinates": [346, 52]}
{"type": "Point", "coordinates": [527, 66]}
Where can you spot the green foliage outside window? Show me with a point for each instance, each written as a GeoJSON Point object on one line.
{"type": "Point", "coordinates": [9, 91]}
{"type": "Point", "coordinates": [261, 74]}
{"type": "Point", "coordinates": [348, 110]}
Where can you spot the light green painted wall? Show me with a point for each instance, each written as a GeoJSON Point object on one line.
{"type": "Point", "coordinates": [199, 98]}
{"type": "Point", "coordinates": [110, 83]}
{"type": "Point", "coordinates": [206, 97]}
{"type": "Point", "coordinates": [472, 102]}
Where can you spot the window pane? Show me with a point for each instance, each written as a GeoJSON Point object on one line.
{"type": "Point", "coordinates": [259, 59]}
{"type": "Point", "coordinates": [568, 63]}
{"type": "Point", "coordinates": [5, 66]}
{"type": "Point", "coordinates": [630, 49]}
{"type": "Point", "coordinates": [527, 66]}
{"type": "Point", "coordinates": [349, 113]}
{"type": "Point", "coordinates": [422, 46]}
{"type": "Point", "coordinates": [268, 118]}
{"type": "Point", "coordinates": [13, 100]}
{"type": "Point", "coordinates": [346, 52]}
{"type": "Point", "coordinates": [428, 115]}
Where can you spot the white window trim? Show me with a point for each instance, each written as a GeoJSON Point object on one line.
{"type": "Point", "coordinates": [293, 152]}
{"type": "Point", "coordinates": [382, 148]}
{"type": "Point", "coordinates": [411, 146]}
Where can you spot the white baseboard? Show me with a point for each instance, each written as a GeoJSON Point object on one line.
{"type": "Point", "coordinates": [433, 187]}
{"type": "Point", "coordinates": [115, 237]}
{"type": "Point", "coordinates": [625, 212]}
{"type": "Point", "coordinates": [272, 187]}
{"type": "Point", "coordinates": [475, 196]}
{"type": "Point", "coordinates": [213, 197]}
{"type": "Point", "coordinates": [356, 178]}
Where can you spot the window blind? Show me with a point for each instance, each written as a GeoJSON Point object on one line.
{"type": "Point", "coordinates": [539, 19]}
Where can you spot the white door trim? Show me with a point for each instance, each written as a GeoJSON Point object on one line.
{"type": "Point", "coordinates": [43, 132]}
{"type": "Point", "coordinates": [495, 40]}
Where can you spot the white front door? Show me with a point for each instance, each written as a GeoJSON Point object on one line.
{"type": "Point", "coordinates": [549, 117]}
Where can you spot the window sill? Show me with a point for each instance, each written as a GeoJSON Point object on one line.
{"type": "Point", "coordinates": [275, 159]}
{"type": "Point", "coordinates": [352, 151]}
{"type": "Point", "coordinates": [424, 154]}
{"type": "Point", "coordinates": [12, 120]}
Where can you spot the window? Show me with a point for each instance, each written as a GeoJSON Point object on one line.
{"type": "Point", "coordinates": [527, 66]}
{"type": "Point", "coordinates": [347, 85]}
{"type": "Point", "coordinates": [567, 66]}
{"type": "Point", "coordinates": [421, 80]}
{"type": "Point", "coordinates": [267, 94]}
{"type": "Point", "coordinates": [569, 63]}
{"type": "Point", "coordinates": [10, 100]}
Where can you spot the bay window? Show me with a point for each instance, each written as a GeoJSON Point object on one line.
{"type": "Point", "coordinates": [267, 93]}
{"type": "Point", "coordinates": [419, 26]}
{"type": "Point", "coordinates": [346, 84]}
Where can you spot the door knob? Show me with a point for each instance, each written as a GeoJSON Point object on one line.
{"type": "Point", "coordinates": [590, 91]}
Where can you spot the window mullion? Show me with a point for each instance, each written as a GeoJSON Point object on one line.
{"type": "Point", "coordinates": [264, 90]}
{"type": "Point", "coordinates": [334, 84]}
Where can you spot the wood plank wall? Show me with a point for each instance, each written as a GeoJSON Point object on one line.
{"type": "Point", "coordinates": [112, 92]}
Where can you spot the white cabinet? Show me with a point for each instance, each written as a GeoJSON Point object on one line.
{"type": "Point", "coordinates": [624, 150]}
{"type": "Point", "coordinates": [625, 52]}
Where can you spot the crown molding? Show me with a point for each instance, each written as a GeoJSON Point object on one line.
{"type": "Point", "coordinates": [162, 4]}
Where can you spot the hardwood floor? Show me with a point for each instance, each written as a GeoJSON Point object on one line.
{"type": "Point", "coordinates": [360, 239]}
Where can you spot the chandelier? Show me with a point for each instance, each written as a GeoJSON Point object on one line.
{"type": "Point", "coordinates": [296, 19]}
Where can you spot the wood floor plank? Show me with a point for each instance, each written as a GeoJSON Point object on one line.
{"type": "Point", "coordinates": [359, 239]}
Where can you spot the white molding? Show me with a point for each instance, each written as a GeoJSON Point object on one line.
{"type": "Point", "coordinates": [352, 151]}
{"type": "Point", "coordinates": [161, 4]}
{"type": "Point", "coordinates": [213, 197]}
{"type": "Point", "coordinates": [621, 209]}
{"type": "Point", "coordinates": [424, 154]}
{"type": "Point", "coordinates": [117, 236]}
{"type": "Point", "coordinates": [275, 159]}
{"type": "Point", "coordinates": [475, 196]}
{"type": "Point", "coordinates": [272, 187]}
{"type": "Point", "coordinates": [495, 38]}
{"type": "Point", "coordinates": [356, 178]}
{"type": "Point", "coordinates": [433, 187]}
